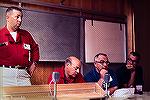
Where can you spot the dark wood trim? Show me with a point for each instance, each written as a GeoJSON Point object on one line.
{"type": "Point", "coordinates": [65, 10]}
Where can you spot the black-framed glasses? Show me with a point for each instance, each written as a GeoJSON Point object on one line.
{"type": "Point", "coordinates": [132, 61]}
{"type": "Point", "coordinates": [102, 62]}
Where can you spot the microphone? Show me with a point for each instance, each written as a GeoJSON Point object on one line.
{"type": "Point", "coordinates": [106, 80]}
{"type": "Point", "coordinates": [55, 79]}
{"type": "Point", "coordinates": [55, 76]}
{"type": "Point", "coordinates": [106, 77]}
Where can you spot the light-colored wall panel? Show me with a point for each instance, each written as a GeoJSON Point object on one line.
{"type": "Point", "coordinates": [106, 37]}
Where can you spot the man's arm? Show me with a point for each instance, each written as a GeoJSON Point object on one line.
{"type": "Point", "coordinates": [112, 89]}
{"type": "Point", "coordinates": [102, 75]}
{"type": "Point", "coordinates": [34, 55]}
{"type": "Point", "coordinates": [32, 68]}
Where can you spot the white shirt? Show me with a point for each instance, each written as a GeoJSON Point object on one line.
{"type": "Point", "coordinates": [14, 35]}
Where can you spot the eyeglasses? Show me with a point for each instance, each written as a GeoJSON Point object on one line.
{"type": "Point", "coordinates": [132, 61]}
{"type": "Point", "coordinates": [102, 62]}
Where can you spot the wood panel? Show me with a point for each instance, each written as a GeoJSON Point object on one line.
{"type": "Point", "coordinates": [76, 90]}
{"type": "Point", "coordinates": [74, 7]}
{"type": "Point", "coordinates": [128, 10]}
{"type": "Point", "coordinates": [43, 70]}
{"type": "Point", "coordinates": [110, 6]}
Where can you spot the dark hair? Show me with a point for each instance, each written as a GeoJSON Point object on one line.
{"type": "Point", "coordinates": [100, 54]}
{"type": "Point", "coordinates": [13, 8]}
{"type": "Point", "coordinates": [136, 54]}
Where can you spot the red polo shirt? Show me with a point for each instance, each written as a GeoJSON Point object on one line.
{"type": "Point", "coordinates": [17, 53]}
{"type": "Point", "coordinates": [64, 80]}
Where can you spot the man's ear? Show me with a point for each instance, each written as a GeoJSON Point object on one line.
{"type": "Point", "coordinates": [68, 64]}
{"type": "Point", "coordinates": [94, 63]}
{"type": "Point", "coordinates": [7, 17]}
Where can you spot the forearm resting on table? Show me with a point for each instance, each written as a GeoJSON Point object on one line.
{"type": "Point", "coordinates": [112, 89]}
{"type": "Point", "coordinates": [100, 82]}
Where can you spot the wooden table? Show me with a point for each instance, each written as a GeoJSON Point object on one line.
{"type": "Point", "coordinates": [76, 91]}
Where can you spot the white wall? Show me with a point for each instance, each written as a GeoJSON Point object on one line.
{"type": "Point", "coordinates": [105, 37]}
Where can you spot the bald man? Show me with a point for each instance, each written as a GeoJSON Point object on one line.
{"type": "Point", "coordinates": [70, 72]}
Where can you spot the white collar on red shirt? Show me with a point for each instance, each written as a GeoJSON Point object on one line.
{"type": "Point", "coordinates": [14, 35]}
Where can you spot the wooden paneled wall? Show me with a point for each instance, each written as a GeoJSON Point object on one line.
{"type": "Point", "coordinates": [104, 9]}
{"type": "Point", "coordinates": [43, 70]}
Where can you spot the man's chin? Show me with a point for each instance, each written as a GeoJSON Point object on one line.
{"type": "Point", "coordinates": [72, 76]}
{"type": "Point", "coordinates": [17, 27]}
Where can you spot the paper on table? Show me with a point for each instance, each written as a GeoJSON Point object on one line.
{"type": "Point", "coordinates": [124, 92]}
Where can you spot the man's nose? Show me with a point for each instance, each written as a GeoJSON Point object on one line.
{"type": "Point", "coordinates": [20, 19]}
{"type": "Point", "coordinates": [105, 64]}
{"type": "Point", "coordinates": [77, 70]}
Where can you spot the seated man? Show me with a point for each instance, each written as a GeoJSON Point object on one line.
{"type": "Point", "coordinates": [70, 72]}
{"type": "Point", "coordinates": [97, 74]}
{"type": "Point", "coordinates": [131, 74]}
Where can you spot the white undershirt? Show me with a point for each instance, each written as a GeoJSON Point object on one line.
{"type": "Point", "coordinates": [14, 35]}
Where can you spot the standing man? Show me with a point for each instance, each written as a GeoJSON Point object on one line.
{"type": "Point", "coordinates": [97, 74]}
{"type": "Point", "coordinates": [18, 51]}
{"type": "Point", "coordinates": [131, 74]}
{"type": "Point", "coordinates": [70, 72]}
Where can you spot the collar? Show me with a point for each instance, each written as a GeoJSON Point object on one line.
{"type": "Point", "coordinates": [10, 38]}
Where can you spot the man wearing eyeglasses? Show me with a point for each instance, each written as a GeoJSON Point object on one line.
{"type": "Point", "coordinates": [98, 73]}
{"type": "Point", "coordinates": [131, 74]}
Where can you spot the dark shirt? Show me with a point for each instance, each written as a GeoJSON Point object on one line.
{"type": "Point", "coordinates": [94, 76]}
{"type": "Point", "coordinates": [64, 80]}
{"type": "Point", "coordinates": [123, 75]}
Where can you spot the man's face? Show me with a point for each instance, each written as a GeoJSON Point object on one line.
{"type": "Point", "coordinates": [73, 68]}
{"type": "Point", "coordinates": [132, 60]}
{"type": "Point", "coordinates": [101, 62]}
{"type": "Point", "coordinates": [14, 19]}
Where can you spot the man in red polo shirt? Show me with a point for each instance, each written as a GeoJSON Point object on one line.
{"type": "Point", "coordinates": [70, 72]}
{"type": "Point", "coordinates": [18, 51]}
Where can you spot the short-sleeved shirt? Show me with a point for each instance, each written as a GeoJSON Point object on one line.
{"type": "Point", "coordinates": [64, 80]}
{"type": "Point", "coordinates": [94, 76]}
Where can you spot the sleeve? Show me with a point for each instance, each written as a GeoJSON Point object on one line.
{"type": "Point", "coordinates": [123, 76]}
{"type": "Point", "coordinates": [88, 77]}
{"type": "Point", "coordinates": [34, 50]}
{"type": "Point", "coordinates": [92, 76]}
{"type": "Point", "coordinates": [114, 81]}
{"type": "Point", "coordinates": [139, 76]}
